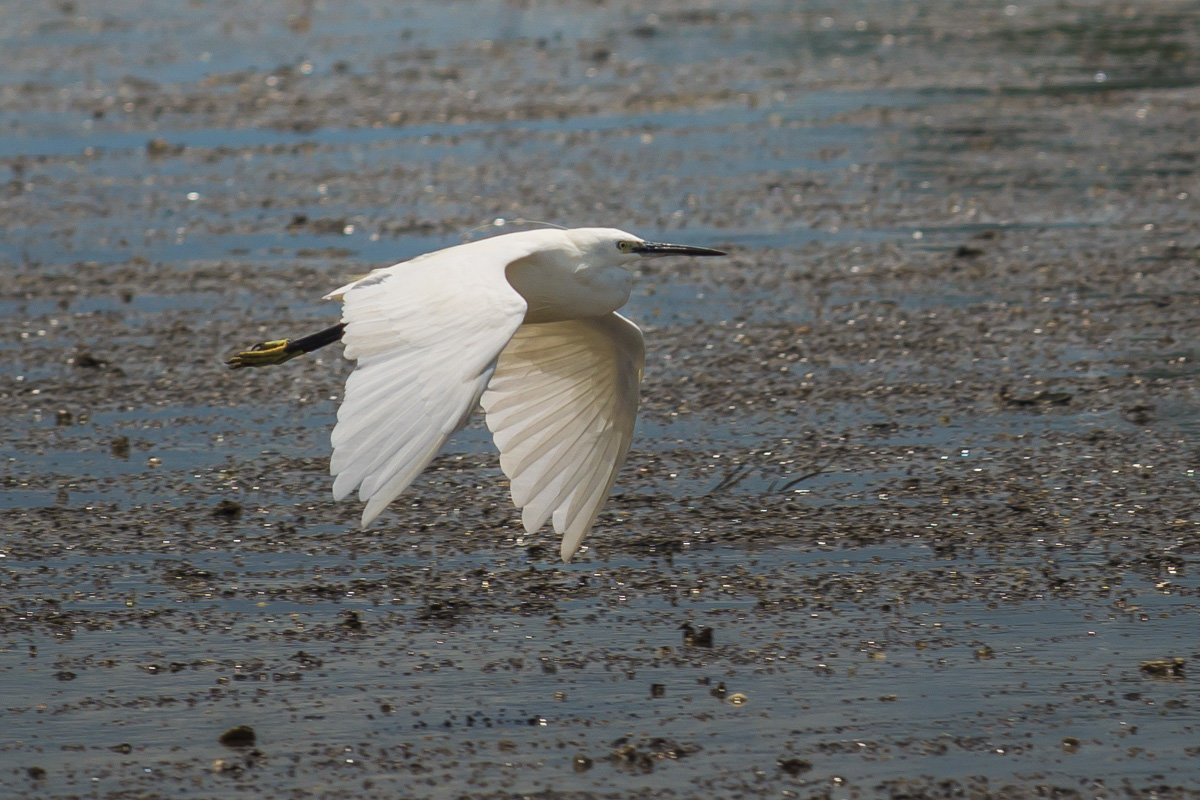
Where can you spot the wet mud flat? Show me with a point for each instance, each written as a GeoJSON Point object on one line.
{"type": "Point", "coordinates": [911, 510]}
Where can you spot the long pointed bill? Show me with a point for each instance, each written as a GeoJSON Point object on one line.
{"type": "Point", "coordinates": [661, 249]}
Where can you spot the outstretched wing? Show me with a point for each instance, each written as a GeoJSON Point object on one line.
{"type": "Point", "coordinates": [425, 334]}
{"type": "Point", "coordinates": [561, 406]}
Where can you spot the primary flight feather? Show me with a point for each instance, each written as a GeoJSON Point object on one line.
{"type": "Point", "coordinates": [525, 325]}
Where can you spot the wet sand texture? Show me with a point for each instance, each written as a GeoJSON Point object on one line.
{"type": "Point", "coordinates": [916, 465]}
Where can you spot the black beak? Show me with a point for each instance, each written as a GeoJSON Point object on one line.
{"type": "Point", "coordinates": [655, 249]}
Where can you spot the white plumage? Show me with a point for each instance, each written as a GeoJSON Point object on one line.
{"type": "Point", "coordinates": [523, 323]}
{"type": "Point", "coordinates": [561, 407]}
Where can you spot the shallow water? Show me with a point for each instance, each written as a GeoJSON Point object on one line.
{"type": "Point", "coordinates": [502, 699]}
{"type": "Point", "coordinates": [921, 452]}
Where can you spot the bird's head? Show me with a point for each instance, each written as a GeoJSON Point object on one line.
{"type": "Point", "coordinates": [612, 246]}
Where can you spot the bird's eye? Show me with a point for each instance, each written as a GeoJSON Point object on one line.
{"type": "Point", "coordinates": [625, 246]}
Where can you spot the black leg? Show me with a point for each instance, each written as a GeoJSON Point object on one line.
{"type": "Point", "coordinates": [264, 354]}
{"type": "Point", "coordinates": [315, 341]}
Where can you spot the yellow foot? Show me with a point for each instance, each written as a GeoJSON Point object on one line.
{"type": "Point", "coordinates": [264, 354]}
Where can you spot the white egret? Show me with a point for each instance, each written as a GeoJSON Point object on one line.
{"type": "Point", "coordinates": [525, 325]}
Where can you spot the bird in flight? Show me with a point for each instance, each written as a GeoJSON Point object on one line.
{"type": "Point", "coordinates": [523, 324]}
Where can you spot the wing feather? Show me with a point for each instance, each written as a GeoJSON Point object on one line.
{"type": "Point", "coordinates": [561, 407]}
{"type": "Point", "coordinates": [425, 334]}
{"type": "Point", "coordinates": [572, 466]}
{"type": "Point", "coordinates": [561, 432]}
{"type": "Point", "coordinates": [589, 494]}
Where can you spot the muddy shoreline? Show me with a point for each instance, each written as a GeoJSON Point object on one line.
{"type": "Point", "coordinates": [921, 453]}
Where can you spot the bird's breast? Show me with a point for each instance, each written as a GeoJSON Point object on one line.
{"type": "Point", "coordinates": [556, 292]}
